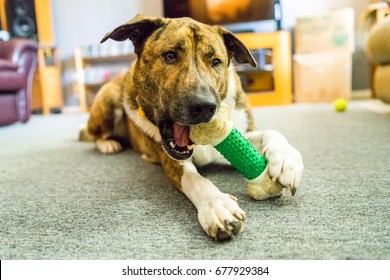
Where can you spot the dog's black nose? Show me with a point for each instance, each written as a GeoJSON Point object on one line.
{"type": "Point", "coordinates": [202, 108]}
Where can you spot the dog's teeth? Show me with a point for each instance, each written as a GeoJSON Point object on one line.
{"type": "Point", "coordinates": [173, 145]}
{"type": "Point", "coordinates": [190, 147]}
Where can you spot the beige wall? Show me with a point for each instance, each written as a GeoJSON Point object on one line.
{"type": "Point", "coordinates": [85, 22]}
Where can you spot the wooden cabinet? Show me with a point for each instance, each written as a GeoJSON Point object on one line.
{"type": "Point", "coordinates": [93, 71]}
{"type": "Point", "coordinates": [280, 44]}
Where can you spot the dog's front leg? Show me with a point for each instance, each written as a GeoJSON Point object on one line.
{"type": "Point", "coordinates": [218, 213]}
{"type": "Point", "coordinates": [284, 161]}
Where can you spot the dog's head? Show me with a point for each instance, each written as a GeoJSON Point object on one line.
{"type": "Point", "coordinates": [181, 74]}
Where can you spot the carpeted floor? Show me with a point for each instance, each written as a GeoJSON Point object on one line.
{"type": "Point", "coordinates": [61, 199]}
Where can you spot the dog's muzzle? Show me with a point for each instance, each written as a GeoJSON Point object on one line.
{"type": "Point", "coordinates": [176, 134]}
{"type": "Point", "coordinates": [201, 109]}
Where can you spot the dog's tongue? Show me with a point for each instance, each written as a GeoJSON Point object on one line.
{"type": "Point", "coordinates": [181, 134]}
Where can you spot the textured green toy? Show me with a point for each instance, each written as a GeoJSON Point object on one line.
{"type": "Point", "coordinates": [238, 151]}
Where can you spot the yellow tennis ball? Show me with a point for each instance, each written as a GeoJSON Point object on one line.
{"type": "Point", "coordinates": [340, 104]}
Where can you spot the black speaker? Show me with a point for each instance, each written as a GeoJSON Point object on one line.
{"type": "Point", "coordinates": [21, 19]}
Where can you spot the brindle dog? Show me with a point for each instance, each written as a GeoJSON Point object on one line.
{"type": "Point", "coordinates": [182, 73]}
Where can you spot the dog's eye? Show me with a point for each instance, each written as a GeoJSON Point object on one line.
{"type": "Point", "coordinates": [216, 63]}
{"type": "Point", "coordinates": [169, 57]}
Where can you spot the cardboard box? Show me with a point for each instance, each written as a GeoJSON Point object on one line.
{"type": "Point", "coordinates": [329, 31]}
{"type": "Point", "coordinates": [322, 77]}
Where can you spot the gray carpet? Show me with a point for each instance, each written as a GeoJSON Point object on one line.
{"type": "Point", "coordinates": [61, 199]}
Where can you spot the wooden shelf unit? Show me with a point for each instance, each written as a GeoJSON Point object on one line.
{"type": "Point", "coordinates": [47, 86]}
{"type": "Point", "coordinates": [87, 89]}
{"type": "Point", "coordinates": [280, 43]}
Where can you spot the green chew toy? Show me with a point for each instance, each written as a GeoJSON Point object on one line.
{"type": "Point", "coordinates": [238, 151]}
{"type": "Point", "coordinates": [250, 163]}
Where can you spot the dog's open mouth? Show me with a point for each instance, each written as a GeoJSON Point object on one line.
{"type": "Point", "coordinates": [176, 140]}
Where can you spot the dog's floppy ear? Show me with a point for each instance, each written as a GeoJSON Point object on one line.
{"type": "Point", "coordinates": [137, 30]}
{"type": "Point", "coordinates": [236, 48]}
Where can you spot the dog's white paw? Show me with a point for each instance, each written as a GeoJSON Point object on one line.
{"type": "Point", "coordinates": [108, 146]}
{"type": "Point", "coordinates": [263, 187]}
{"type": "Point", "coordinates": [221, 217]}
{"type": "Point", "coordinates": [285, 164]}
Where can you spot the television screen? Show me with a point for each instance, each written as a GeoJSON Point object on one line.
{"type": "Point", "coordinates": [221, 11]}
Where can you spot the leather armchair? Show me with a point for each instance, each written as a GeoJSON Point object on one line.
{"type": "Point", "coordinates": [18, 62]}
